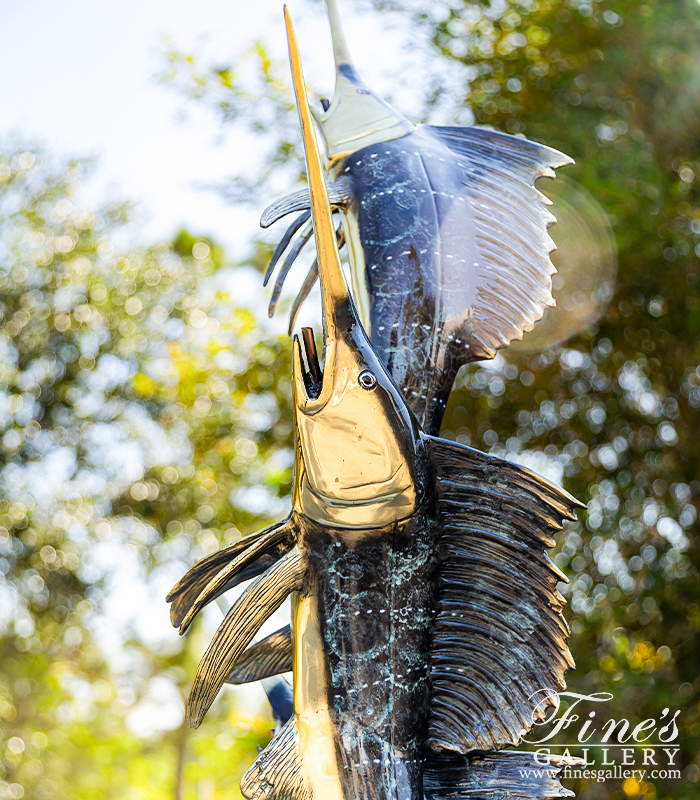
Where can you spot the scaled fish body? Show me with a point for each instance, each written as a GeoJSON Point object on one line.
{"type": "Point", "coordinates": [425, 615]}
{"type": "Point", "coordinates": [447, 236]}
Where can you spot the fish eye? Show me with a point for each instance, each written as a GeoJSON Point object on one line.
{"type": "Point", "coordinates": [367, 379]}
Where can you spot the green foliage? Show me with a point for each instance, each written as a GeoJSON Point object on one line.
{"type": "Point", "coordinates": [139, 418]}
{"type": "Point", "coordinates": [145, 415]}
{"type": "Point", "coordinates": [251, 93]}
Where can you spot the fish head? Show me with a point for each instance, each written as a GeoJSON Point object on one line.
{"type": "Point", "coordinates": [356, 440]}
{"type": "Point", "coordinates": [358, 445]}
{"type": "Point", "coordinates": [356, 116]}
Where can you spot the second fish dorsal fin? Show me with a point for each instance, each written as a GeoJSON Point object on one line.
{"type": "Point", "coordinates": [498, 292]}
{"type": "Point", "coordinates": [277, 773]}
{"type": "Point", "coordinates": [499, 647]}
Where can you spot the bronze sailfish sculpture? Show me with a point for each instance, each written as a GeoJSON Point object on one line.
{"type": "Point", "coordinates": [446, 235]}
{"type": "Point", "coordinates": [425, 617]}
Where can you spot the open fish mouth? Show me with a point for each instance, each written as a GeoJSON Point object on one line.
{"type": "Point", "coordinates": [311, 372]}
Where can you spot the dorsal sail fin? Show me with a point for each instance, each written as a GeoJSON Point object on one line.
{"type": "Point", "coordinates": [500, 637]}
{"type": "Point", "coordinates": [498, 292]}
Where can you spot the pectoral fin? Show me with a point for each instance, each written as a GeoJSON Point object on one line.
{"type": "Point", "coordinates": [271, 656]}
{"type": "Point", "coordinates": [276, 537]}
{"type": "Point", "coordinates": [188, 588]}
{"type": "Point", "coordinates": [339, 194]}
{"type": "Point", "coordinates": [257, 603]}
{"type": "Point", "coordinates": [306, 233]}
{"type": "Point", "coordinates": [284, 243]}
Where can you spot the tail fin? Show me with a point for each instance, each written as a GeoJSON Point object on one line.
{"type": "Point", "coordinates": [500, 637]}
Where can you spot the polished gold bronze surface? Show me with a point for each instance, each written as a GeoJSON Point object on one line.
{"type": "Point", "coordinates": [315, 729]}
{"type": "Point", "coordinates": [354, 469]}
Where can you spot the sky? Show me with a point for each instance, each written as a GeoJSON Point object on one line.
{"type": "Point", "coordinates": [82, 77]}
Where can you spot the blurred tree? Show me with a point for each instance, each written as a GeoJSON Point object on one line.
{"type": "Point", "coordinates": [615, 84]}
{"type": "Point", "coordinates": [141, 421]}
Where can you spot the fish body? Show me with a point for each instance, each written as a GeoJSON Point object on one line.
{"type": "Point", "coordinates": [446, 235]}
{"type": "Point", "coordinates": [366, 615]}
{"type": "Point", "coordinates": [425, 617]}
{"type": "Point", "coordinates": [366, 506]}
{"type": "Point", "coordinates": [413, 233]}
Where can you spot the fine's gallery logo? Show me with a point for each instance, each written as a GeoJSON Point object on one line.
{"type": "Point", "coordinates": [614, 749]}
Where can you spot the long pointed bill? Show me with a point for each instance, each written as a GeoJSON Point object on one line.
{"type": "Point", "coordinates": [354, 446]}
{"type": "Point", "coordinates": [357, 117]}
{"type": "Point", "coordinates": [337, 311]}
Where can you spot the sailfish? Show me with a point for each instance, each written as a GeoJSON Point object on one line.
{"type": "Point", "coordinates": [446, 235]}
{"type": "Point", "coordinates": [426, 624]}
